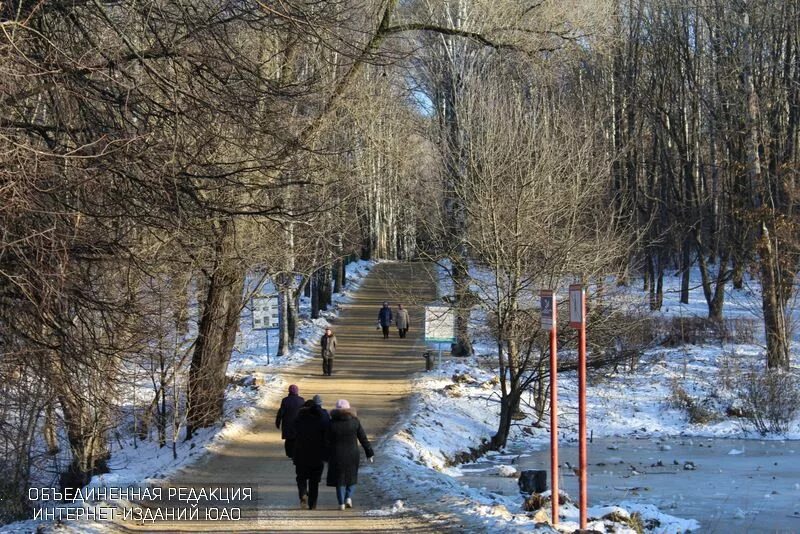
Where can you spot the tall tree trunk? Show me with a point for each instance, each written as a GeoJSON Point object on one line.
{"type": "Point", "coordinates": [292, 305]}
{"type": "Point", "coordinates": [714, 293]}
{"type": "Point", "coordinates": [49, 430]}
{"type": "Point", "coordinates": [285, 299]}
{"type": "Point", "coordinates": [463, 308]}
{"type": "Point", "coordinates": [454, 202]}
{"type": "Point", "coordinates": [651, 276]}
{"type": "Point", "coordinates": [326, 297]}
{"type": "Point", "coordinates": [216, 335]}
{"type": "Point", "coordinates": [85, 422]}
{"type": "Point", "coordinates": [718, 300]}
{"type": "Point", "coordinates": [86, 434]}
{"type": "Point", "coordinates": [738, 274]}
{"type": "Point", "coordinates": [338, 275]}
{"type": "Point", "coordinates": [773, 308]}
{"type": "Point", "coordinates": [85, 418]}
{"type": "Point", "coordinates": [772, 305]}
{"type": "Point", "coordinates": [660, 287]}
{"type": "Point", "coordinates": [504, 424]}
{"type": "Point", "coordinates": [686, 270]}
{"type": "Point", "coordinates": [286, 287]}
{"type": "Point", "coordinates": [314, 285]}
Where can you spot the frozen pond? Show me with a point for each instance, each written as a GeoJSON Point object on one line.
{"type": "Point", "coordinates": [734, 486]}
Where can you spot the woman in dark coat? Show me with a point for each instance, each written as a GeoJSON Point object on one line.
{"type": "Point", "coordinates": [343, 437]}
{"type": "Point", "coordinates": [310, 452]}
{"type": "Point", "coordinates": [385, 319]}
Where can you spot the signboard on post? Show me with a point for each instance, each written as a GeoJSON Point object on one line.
{"type": "Point", "coordinates": [576, 307]}
{"type": "Point", "coordinates": [577, 319]}
{"type": "Point", "coordinates": [266, 316]}
{"type": "Point", "coordinates": [548, 305]}
{"type": "Point", "coordinates": [550, 323]}
{"type": "Point", "coordinates": [266, 312]}
{"type": "Point", "coordinates": [440, 324]}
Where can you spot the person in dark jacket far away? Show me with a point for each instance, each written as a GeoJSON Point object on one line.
{"type": "Point", "coordinates": [385, 319]}
{"type": "Point", "coordinates": [310, 451]}
{"type": "Point", "coordinates": [328, 346]}
{"type": "Point", "coordinates": [287, 414]}
{"type": "Point", "coordinates": [343, 437]}
{"type": "Point", "coordinates": [402, 320]}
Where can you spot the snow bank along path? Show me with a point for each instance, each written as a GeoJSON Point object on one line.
{"type": "Point", "coordinates": [374, 375]}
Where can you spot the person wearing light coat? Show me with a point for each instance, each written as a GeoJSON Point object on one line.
{"type": "Point", "coordinates": [402, 321]}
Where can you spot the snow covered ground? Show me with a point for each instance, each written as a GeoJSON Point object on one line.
{"type": "Point", "coordinates": [448, 417]}
{"type": "Point", "coordinates": [420, 461]}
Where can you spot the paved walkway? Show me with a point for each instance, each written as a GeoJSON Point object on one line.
{"type": "Point", "coordinates": [373, 374]}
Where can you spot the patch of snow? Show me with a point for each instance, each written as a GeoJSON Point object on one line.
{"type": "Point", "coordinates": [396, 508]}
{"type": "Point", "coordinates": [506, 471]}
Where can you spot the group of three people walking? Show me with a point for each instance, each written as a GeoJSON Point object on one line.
{"type": "Point", "coordinates": [313, 437]}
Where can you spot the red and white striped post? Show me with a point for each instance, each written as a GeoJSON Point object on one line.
{"type": "Point", "coordinates": [550, 322]}
{"type": "Point", "coordinates": [577, 319]}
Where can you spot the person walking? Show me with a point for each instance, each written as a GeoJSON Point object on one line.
{"type": "Point", "coordinates": [287, 415]}
{"type": "Point", "coordinates": [402, 320]}
{"type": "Point", "coordinates": [310, 451]}
{"type": "Point", "coordinates": [385, 319]}
{"type": "Point", "coordinates": [328, 346]}
{"type": "Point", "coordinates": [343, 437]}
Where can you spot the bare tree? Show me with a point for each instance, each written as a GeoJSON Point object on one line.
{"type": "Point", "coordinates": [535, 201]}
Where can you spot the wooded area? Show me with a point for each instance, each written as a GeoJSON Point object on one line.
{"type": "Point", "coordinates": [154, 154]}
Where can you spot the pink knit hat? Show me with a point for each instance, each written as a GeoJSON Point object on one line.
{"type": "Point", "coordinates": [342, 404]}
{"type": "Point", "coordinates": [294, 390]}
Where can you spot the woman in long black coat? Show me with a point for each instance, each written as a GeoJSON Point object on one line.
{"type": "Point", "coordinates": [343, 437]}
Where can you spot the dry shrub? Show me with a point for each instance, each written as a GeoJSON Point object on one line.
{"type": "Point", "coordinates": [729, 370]}
{"type": "Point", "coordinates": [699, 411]}
{"type": "Point", "coordinates": [770, 399]}
{"type": "Point", "coordinates": [620, 336]}
{"type": "Point", "coordinates": [702, 330]}
{"type": "Point", "coordinates": [741, 330]}
{"type": "Point", "coordinates": [470, 455]}
{"type": "Point", "coordinates": [634, 521]}
{"type": "Point", "coordinates": [537, 501]}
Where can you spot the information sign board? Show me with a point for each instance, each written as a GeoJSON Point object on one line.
{"type": "Point", "coordinates": [440, 324]}
{"type": "Point", "coordinates": [266, 312]}
{"type": "Point", "coordinates": [548, 305]}
{"type": "Point", "coordinates": [576, 306]}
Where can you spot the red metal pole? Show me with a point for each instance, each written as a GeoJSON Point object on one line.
{"type": "Point", "coordinates": [583, 474]}
{"type": "Point", "coordinates": [554, 414]}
